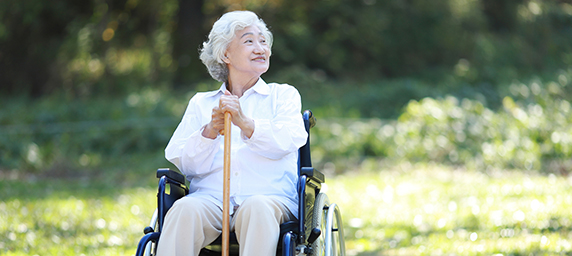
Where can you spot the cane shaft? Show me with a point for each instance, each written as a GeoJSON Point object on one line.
{"type": "Point", "coordinates": [226, 189]}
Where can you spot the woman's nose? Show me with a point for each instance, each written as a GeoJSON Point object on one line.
{"type": "Point", "coordinates": [258, 48]}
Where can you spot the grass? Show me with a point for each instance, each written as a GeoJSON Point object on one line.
{"type": "Point", "coordinates": [58, 217]}
{"type": "Point", "coordinates": [402, 210]}
{"type": "Point", "coordinates": [436, 210]}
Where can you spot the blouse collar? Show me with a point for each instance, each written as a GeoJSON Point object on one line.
{"type": "Point", "coordinates": [260, 87]}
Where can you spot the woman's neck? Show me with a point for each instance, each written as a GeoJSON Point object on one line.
{"type": "Point", "coordinates": [237, 86]}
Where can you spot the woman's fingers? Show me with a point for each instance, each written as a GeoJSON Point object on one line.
{"type": "Point", "coordinates": [231, 104]}
{"type": "Point", "coordinates": [217, 120]}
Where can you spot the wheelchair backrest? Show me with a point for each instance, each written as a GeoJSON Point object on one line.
{"type": "Point", "coordinates": [304, 156]}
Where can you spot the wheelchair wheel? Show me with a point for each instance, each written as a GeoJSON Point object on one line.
{"type": "Point", "coordinates": [334, 232]}
{"type": "Point", "coordinates": [327, 218]}
{"type": "Point", "coordinates": [318, 221]}
{"type": "Point", "coordinates": [151, 247]}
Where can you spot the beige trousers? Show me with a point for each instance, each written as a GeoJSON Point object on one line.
{"type": "Point", "coordinates": [193, 223]}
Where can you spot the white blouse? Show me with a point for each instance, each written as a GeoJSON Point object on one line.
{"type": "Point", "coordinates": [264, 164]}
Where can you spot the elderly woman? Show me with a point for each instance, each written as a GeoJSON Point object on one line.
{"type": "Point", "coordinates": [266, 133]}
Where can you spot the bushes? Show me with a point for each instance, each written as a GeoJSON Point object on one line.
{"type": "Point", "coordinates": [59, 135]}
{"type": "Point", "coordinates": [531, 131]}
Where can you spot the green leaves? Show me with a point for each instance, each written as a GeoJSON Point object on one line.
{"type": "Point", "coordinates": [56, 134]}
{"type": "Point", "coordinates": [531, 131]}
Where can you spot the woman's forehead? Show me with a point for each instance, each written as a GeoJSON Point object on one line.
{"type": "Point", "coordinates": [250, 30]}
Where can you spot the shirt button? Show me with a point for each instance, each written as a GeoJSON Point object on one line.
{"type": "Point", "coordinates": [236, 174]}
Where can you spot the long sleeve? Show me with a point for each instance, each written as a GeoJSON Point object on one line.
{"type": "Point", "coordinates": [284, 133]}
{"type": "Point", "coordinates": [192, 153]}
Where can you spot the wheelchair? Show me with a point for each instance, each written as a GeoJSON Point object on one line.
{"type": "Point", "coordinates": [318, 230]}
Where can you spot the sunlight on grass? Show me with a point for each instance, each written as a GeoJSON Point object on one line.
{"type": "Point", "coordinates": [430, 210]}
{"type": "Point", "coordinates": [404, 210]}
{"type": "Point", "coordinates": [70, 224]}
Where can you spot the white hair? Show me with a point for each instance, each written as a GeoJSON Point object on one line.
{"type": "Point", "coordinates": [222, 34]}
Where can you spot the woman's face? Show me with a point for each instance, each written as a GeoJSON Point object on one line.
{"type": "Point", "coordinates": [248, 53]}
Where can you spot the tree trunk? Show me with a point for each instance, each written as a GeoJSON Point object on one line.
{"type": "Point", "coordinates": [187, 39]}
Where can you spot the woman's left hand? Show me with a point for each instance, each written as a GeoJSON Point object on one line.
{"type": "Point", "coordinates": [230, 103]}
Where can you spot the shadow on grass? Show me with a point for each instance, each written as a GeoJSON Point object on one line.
{"type": "Point", "coordinates": [107, 180]}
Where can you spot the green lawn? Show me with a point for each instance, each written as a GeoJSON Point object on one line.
{"type": "Point", "coordinates": [55, 217]}
{"type": "Point", "coordinates": [402, 210]}
{"type": "Point", "coordinates": [430, 210]}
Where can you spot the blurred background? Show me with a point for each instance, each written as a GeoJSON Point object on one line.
{"type": "Point", "coordinates": [464, 104]}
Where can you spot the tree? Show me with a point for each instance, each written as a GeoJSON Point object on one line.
{"type": "Point", "coordinates": [31, 35]}
{"type": "Point", "coordinates": [188, 36]}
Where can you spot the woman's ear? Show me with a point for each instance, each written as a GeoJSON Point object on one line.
{"type": "Point", "coordinates": [225, 58]}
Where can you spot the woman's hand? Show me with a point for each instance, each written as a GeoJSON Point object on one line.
{"type": "Point", "coordinates": [216, 125]}
{"type": "Point", "coordinates": [228, 103]}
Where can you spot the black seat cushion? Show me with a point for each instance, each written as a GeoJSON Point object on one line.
{"type": "Point", "coordinates": [216, 246]}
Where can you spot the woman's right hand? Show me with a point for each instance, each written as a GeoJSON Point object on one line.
{"type": "Point", "coordinates": [216, 125]}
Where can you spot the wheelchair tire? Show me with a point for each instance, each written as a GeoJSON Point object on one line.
{"type": "Point", "coordinates": [319, 221]}
{"type": "Point", "coordinates": [334, 232]}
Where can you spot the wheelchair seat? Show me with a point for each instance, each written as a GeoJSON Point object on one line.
{"type": "Point", "coordinates": [311, 234]}
{"type": "Point", "coordinates": [216, 246]}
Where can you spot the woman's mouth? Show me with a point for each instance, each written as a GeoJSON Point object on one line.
{"type": "Point", "coordinates": [260, 59]}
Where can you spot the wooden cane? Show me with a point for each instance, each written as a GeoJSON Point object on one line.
{"type": "Point", "coordinates": [226, 189]}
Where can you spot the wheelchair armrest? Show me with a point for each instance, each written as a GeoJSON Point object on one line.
{"type": "Point", "coordinates": [171, 187]}
{"type": "Point", "coordinates": [176, 176]}
{"type": "Point", "coordinates": [313, 174]}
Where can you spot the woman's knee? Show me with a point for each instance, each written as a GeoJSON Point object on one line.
{"type": "Point", "coordinates": [188, 207]}
{"type": "Point", "coordinates": [184, 204]}
{"type": "Point", "coordinates": [260, 206]}
{"type": "Point", "coordinates": [257, 201]}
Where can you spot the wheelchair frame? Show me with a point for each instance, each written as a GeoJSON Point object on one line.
{"type": "Point", "coordinates": [319, 230]}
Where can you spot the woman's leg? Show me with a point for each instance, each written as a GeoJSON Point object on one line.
{"type": "Point", "coordinates": [257, 225]}
{"type": "Point", "coordinates": [191, 224]}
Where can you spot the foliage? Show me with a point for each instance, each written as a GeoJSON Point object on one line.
{"type": "Point", "coordinates": [81, 48]}
{"type": "Point", "coordinates": [357, 38]}
{"type": "Point", "coordinates": [57, 135]}
{"type": "Point", "coordinates": [404, 210]}
{"type": "Point", "coordinates": [96, 47]}
{"type": "Point", "coordinates": [530, 132]}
